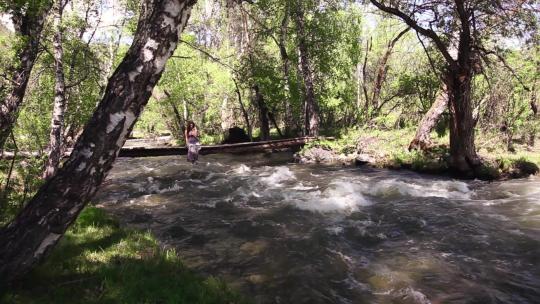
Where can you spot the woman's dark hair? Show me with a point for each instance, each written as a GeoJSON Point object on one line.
{"type": "Point", "coordinates": [190, 126]}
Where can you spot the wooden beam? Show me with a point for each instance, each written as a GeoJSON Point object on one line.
{"type": "Point", "coordinates": [293, 144]}
{"type": "Point", "coordinates": [249, 147]}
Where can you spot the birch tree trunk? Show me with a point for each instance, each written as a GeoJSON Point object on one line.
{"type": "Point", "coordinates": [28, 25]}
{"type": "Point", "coordinates": [57, 120]}
{"type": "Point", "coordinates": [43, 221]}
{"type": "Point", "coordinates": [311, 122]}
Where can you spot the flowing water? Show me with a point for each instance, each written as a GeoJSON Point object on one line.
{"type": "Point", "coordinates": [288, 233]}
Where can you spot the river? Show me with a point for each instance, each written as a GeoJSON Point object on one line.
{"type": "Point", "coordinates": [287, 233]}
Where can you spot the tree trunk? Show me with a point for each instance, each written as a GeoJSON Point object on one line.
{"type": "Point", "coordinates": [458, 78]}
{"type": "Point", "coordinates": [29, 26]}
{"type": "Point", "coordinates": [422, 139]}
{"type": "Point", "coordinates": [227, 116]}
{"type": "Point", "coordinates": [39, 226]}
{"type": "Point", "coordinates": [272, 118]}
{"type": "Point", "coordinates": [258, 100]}
{"type": "Point", "coordinates": [179, 123]}
{"type": "Point", "coordinates": [534, 108]}
{"type": "Point", "coordinates": [367, 107]}
{"type": "Point", "coordinates": [244, 111]}
{"type": "Point", "coordinates": [57, 120]}
{"type": "Point", "coordinates": [382, 70]}
{"type": "Point", "coordinates": [463, 158]}
{"type": "Point", "coordinates": [311, 123]}
{"type": "Point", "coordinates": [286, 66]}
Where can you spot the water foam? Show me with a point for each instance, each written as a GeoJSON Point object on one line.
{"type": "Point", "coordinates": [277, 176]}
{"type": "Point", "coordinates": [241, 169]}
{"type": "Point", "coordinates": [395, 187]}
{"type": "Point", "coordinates": [174, 188]}
{"type": "Point", "coordinates": [339, 197]}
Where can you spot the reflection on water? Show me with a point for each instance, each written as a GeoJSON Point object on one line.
{"type": "Point", "coordinates": [287, 233]}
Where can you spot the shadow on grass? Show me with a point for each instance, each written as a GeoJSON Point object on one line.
{"type": "Point", "coordinates": [99, 262]}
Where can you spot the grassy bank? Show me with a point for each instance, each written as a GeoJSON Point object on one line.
{"type": "Point", "coordinates": [389, 149]}
{"type": "Point", "coordinates": [97, 261]}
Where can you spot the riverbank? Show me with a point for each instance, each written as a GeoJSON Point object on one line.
{"type": "Point", "coordinates": [389, 149]}
{"type": "Point", "coordinates": [97, 261]}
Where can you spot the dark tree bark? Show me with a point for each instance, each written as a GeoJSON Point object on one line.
{"type": "Point", "coordinates": [272, 118]}
{"type": "Point", "coordinates": [311, 111]}
{"type": "Point", "coordinates": [57, 120]}
{"type": "Point", "coordinates": [422, 139]}
{"type": "Point", "coordinates": [28, 25]}
{"type": "Point", "coordinates": [457, 77]}
{"type": "Point", "coordinates": [460, 72]}
{"type": "Point", "coordinates": [179, 119]}
{"type": "Point", "coordinates": [258, 101]}
{"type": "Point", "coordinates": [463, 157]}
{"type": "Point", "coordinates": [244, 111]}
{"type": "Point", "coordinates": [534, 107]}
{"type": "Point", "coordinates": [39, 226]}
{"type": "Point", "coordinates": [364, 80]}
{"type": "Point", "coordinates": [178, 124]}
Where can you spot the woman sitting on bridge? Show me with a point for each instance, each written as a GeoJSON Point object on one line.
{"type": "Point", "coordinates": [192, 141]}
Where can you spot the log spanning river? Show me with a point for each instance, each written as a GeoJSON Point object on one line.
{"type": "Point", "coordinates": [288, 233]}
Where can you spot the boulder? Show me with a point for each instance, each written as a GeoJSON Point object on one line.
{"type": "Point", "coordinates": [317, 155]}
{"type": "Point", "coordinates": [236, 135]}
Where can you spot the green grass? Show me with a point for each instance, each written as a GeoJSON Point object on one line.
{"type": "Point", "coordinates": [97, 261]}
{"type": "Point", "coordinates": [389, 149]}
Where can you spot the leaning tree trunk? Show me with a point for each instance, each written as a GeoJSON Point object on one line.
{"type": "Point", "coordinates": [179, 119]}
{"type": "Point", "coordinates": [57, 120]}
{"type": "Point", "coordinates": [29, 27]}
{"type": "Point", "coordinates": [382, 69]}
{"type": "Point", "coordinates": [311, 122]}
{"type": "Point", "coordinates": [463, 157]}
{"type": "Point", "coordinates": [39, 226]}
{"type": "Point", "coordinates": [258, 100]}
{"type": "Point", "coordinates": [422, 139]}
{"type": "Point", "coordinates": [244, 111]}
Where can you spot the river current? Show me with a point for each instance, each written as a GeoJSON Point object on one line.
{"type": "Point", "coordinates": [287, 233]}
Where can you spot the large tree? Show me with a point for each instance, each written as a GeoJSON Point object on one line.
{"type": "Point", "coordinates": [462, 31]}
{"type": "Point", "coordinates": [311, 106]}
{"type": "Point", "coordinates": [43, 221]}
{"type": "Point", "coordinates": [28, 17]}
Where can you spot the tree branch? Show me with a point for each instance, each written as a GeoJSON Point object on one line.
{"type": "Point", "coordinates": [507, 66]}
{"type": "Point", "coordinates": [207, 54]}
{"type": "Point", "coordinates": [413, 24]}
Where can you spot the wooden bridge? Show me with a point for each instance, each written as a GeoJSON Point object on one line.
{"type": "Point", "coordinates": [293, 144]}
{"type": "Point", "coordinates": [290, 144]}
